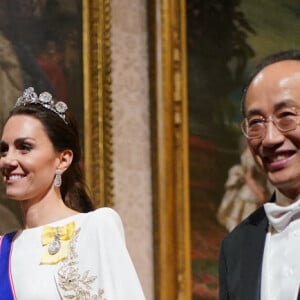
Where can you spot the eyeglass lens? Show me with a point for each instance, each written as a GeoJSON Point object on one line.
{"type": "Point", "coordinates": [258, 129]}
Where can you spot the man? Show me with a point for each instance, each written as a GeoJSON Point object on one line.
{"type": "Point", "coordinates": [260, 258]}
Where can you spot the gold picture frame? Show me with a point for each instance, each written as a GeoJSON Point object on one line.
{"type": "Point", "coordinates": [97, 100]}
{"type": "Point", "coordinates": [170, 149]}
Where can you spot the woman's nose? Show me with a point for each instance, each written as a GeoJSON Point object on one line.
{"type": "Point", "coordinates": [8, 159]}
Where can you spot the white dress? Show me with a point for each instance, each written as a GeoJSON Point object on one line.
{"type": "Point", "coordinates": [97, 266]}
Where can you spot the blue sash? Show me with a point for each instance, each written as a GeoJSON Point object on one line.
{"type": "Point", "coordinates": [5, 283]}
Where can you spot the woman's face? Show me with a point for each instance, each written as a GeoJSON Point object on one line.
{"type": "Point", "coordinates": [28, 160]}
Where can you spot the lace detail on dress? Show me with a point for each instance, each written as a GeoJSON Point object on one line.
{"type": "Point", "coordinates": [74, 285]}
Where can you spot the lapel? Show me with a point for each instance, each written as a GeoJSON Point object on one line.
{"type": "Point", "coordinates": [252, 254]}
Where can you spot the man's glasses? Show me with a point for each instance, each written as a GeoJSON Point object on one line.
{"type": "Point", "coordinates": [255, 127]}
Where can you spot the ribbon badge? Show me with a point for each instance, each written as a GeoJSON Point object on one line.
{"type": "Point", "coordinates": [55, 241]}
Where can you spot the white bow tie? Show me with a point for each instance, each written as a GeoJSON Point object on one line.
{"type": "Point", "coordinates": [280, 216]}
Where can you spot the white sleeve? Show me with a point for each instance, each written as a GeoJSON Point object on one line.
{"type": "Point", "coordinates": [119, 275]}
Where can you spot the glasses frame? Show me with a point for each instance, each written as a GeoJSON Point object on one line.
{"type": "Point", "coordinates": [272, 119]}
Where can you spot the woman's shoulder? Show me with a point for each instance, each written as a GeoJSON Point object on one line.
{"type": "Point", "coordinates": [104, 213]}
{"type": "Point", "coordinates": [105, 219]}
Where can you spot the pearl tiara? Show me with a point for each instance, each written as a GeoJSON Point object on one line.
{"type": "Point", "coordinates": [45, 99]}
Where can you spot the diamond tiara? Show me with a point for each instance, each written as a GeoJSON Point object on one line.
{"type": "Point", "coordinates": [45, 99]}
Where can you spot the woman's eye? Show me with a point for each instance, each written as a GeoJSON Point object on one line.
{"type": "Point", "coordinates": [25, 147]}
{"type": "Point", "coordinates": [3, 149]}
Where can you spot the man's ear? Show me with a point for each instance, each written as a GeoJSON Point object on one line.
{"type": "Point", "coordinates": [65, 159]}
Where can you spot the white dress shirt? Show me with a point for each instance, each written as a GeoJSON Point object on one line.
{"type": "Point", "coordinates": [281, 262]}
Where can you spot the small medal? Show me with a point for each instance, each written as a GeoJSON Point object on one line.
{"type": "Point", "coordinates": [55, 245]}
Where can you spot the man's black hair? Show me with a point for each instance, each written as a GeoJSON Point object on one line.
{"type": "Point", "coordinates": [292, 54]}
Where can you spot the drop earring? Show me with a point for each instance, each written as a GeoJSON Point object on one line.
{"type": "Point", "coordinates": [57, 179]}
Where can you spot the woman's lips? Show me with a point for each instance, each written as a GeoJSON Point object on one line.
{"type": "Point", "coordinates": [13, 178]}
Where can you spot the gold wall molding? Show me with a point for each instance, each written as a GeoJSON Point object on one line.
{"type": "Point", "coordinates": [97, 99]}
{"type": "Point", "coordinates": [167, 41]}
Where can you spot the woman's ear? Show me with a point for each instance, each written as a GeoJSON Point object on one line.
{"type": "Point", "coordinates": [65, 159]}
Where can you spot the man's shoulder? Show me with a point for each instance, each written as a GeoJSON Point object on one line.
{"type": "Point", "coordinates": [255, 221]}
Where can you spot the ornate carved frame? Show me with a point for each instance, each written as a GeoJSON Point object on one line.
{"type": "Point", "coordinates": [170, 149]}
{"type": "Point", "coordinates": [97, 99]}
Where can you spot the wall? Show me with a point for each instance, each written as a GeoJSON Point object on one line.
{"type": "Point", "coordinates": [131, 130]}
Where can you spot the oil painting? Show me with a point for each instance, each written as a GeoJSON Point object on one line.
{"type": "Point", "coordinates": [225, 40]}
{"type": "Point", "coordinates": [41, 46]}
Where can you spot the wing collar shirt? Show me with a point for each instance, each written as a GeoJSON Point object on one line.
{"type": "Point", "coordinates": [281, 263]}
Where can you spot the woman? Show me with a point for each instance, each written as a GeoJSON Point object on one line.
{"type": "Point", "coordinates": [66, 250]}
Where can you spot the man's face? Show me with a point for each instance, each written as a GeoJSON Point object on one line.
{"type": "Point", "coordinates": [275, 91]}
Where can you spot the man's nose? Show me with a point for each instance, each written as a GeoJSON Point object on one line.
{"type": "Point", "coordinates": [273, 135]}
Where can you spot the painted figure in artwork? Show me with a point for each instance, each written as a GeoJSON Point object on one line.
{"type": "Point", "coordinates": [246, 189]}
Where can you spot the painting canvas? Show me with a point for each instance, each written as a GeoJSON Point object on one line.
{"type": "Point", "coordinates": [40, 46]}
{"type": "Point", "coordinates": [224, 42]}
